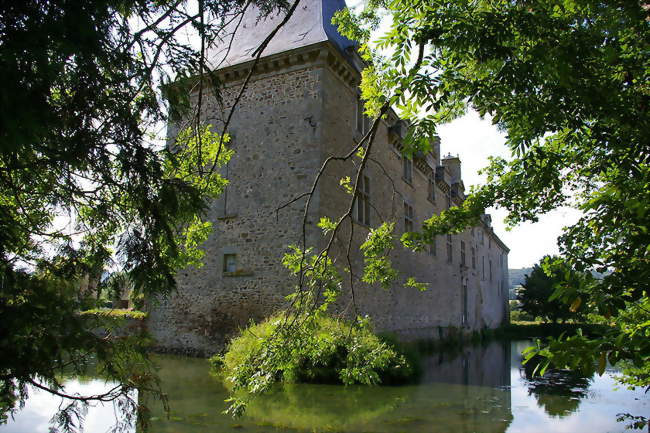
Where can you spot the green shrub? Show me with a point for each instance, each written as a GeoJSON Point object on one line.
{"type": "Point", "coordinates": [520, 316]}
{"type": "Point", "coordinates": [412, 351]}
{"type": "Point", "coordinates": [322, 350]}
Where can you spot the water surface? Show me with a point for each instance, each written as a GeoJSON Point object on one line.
{"type": "Point", "coordinates": [479, 389]}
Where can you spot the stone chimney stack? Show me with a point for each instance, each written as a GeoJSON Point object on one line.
{"type": "Point", "coordinates": [452, 163]}
{"type": "Point", "coordinates": [435, 149]}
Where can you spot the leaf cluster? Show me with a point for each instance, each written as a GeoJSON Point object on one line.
{"type": "Point", "coordinates": [87, 186]}
{"type": "Point", "coordinates": [314, 348]}
{"type": "Point", "coordinates": [567, 82]}
{"type": "Point", "coordinates": [552, 291]}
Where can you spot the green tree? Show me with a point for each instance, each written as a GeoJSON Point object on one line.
{"type": "Point", "coordinates": [567, 81]}
{"type": "Point", "coordinates": [86, 184]}
{"type": "Point", "coordinates": [537, 295]}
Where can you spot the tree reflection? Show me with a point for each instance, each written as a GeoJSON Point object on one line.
{"type": "Point", "coordinates": [558, 392]}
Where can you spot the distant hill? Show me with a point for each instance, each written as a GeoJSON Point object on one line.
{"type": "Point", "coordinates": [518, 276]}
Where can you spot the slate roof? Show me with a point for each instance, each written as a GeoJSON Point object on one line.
{"type": "Point", "coordinates": [310, 24]}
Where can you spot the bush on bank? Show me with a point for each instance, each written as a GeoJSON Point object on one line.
{"type": "Point", "coordinates": [323, 350]}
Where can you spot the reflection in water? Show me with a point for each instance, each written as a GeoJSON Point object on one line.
{"type": "Point", "coordinates": [317, 407]}
{"type": "Point", "coordinates": [478, 389]}
{"type": "Point", "coordinates": [447, 408]}
{"type": "Point", "coordinates": [480, 365]}
{"type": "Point", "coordinates": [558, 392]}
{"type": "Point", "coordinates": [466, 392]}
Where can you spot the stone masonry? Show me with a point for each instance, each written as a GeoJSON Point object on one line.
{"type": "Point", "coordinates": [300, 108]}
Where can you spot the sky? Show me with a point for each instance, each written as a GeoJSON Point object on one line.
{"type": "Point", "coordinates": [474, 139]}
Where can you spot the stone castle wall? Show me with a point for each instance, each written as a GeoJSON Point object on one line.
{"type": "Point", "coordinates": [405, 310]}
{"type": "Point", "coordinates": [277, 150]}
{"type": "Point", "coordinates": [292, 117]}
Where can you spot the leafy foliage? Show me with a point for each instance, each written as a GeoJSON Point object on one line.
{"type": "Point", "coordinates": [304, 343]}
{"type": "Point", "coordinates": [87, 185]}
{"type": "Point", "coordinates": [378, 267]}
{"type": "Point", "coordinates": [38, 344]}
{"type": "Point", "coordinates": [320, 283]}
{"type": "Point", "coordinates": [313, 348]}
{"type": "Point", "coordinates": [567, 81]}
{"type": "Point", "coordinates": [537, 295]}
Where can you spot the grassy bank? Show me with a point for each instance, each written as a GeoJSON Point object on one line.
{"type": "Point", "coordinates": [522, 330]}
{"type": "Point", "coordinates": [115, 313]}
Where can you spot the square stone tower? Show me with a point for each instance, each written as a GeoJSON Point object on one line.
{"type": "Point", "coordinates": [301, 107]}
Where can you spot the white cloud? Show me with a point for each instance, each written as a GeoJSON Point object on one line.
{"type": "Point", "coordinates": [474, 140]}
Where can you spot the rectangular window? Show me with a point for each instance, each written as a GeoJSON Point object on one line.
{"type": "Point", "coordinates": [230, 262]}
{"type": "Point", "coordinates": [432, 247]}
{"type": "Point", "coordinates": [407, 169]}
{"type": "Point", "coordinates": [432, 190]}
{"type": "Point", "coordinates": [448, 200]}
{"type": "Point", "coordinates": [483, 267]}
{"type": "Point", "coordinates": [450, 250]}
{"type": "Point", "coordinates": [490, 270]}
{"type": "Point", "coordinates": [473, 258]}
{"type": "Point", "coordinates": [408, 217]}
{"type": "Point", "coordinates": [360, 116]}
{"type": "Point", "coordinates": [363, 201]}
{"type": "Point", "coordinates": [462, 253]}
{"type": "Point", "coordinates": [465, 309]}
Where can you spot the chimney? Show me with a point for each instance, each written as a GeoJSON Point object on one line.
{"type": "Point", "coordinates": [452, 163]}
{"type": "Point", "coordinates": [435, 149]}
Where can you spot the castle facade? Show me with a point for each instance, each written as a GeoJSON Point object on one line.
{"type": "Point", "coordinates": [302, 106]}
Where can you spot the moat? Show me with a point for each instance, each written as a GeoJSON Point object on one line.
{"type": "Point", "coordinates": [478, 389]}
